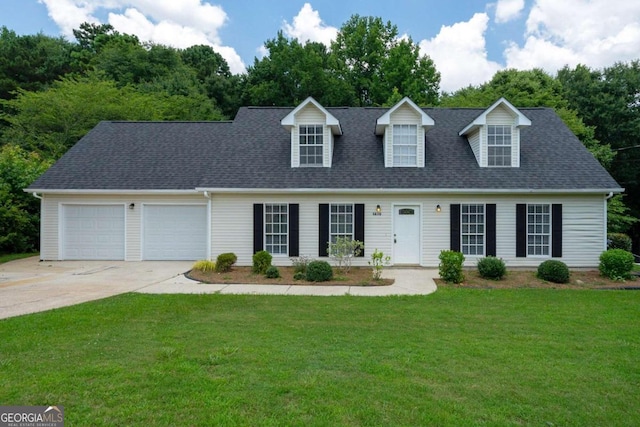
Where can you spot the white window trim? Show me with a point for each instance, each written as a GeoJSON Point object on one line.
{"type": "Point", "coordinates": [353, 225]}
{"type": "Point", "coordinates": [394, 144]}
{"type": "Point", "coordinates": [300, 144]}
{"type": "Point", "coordinates": [490, 145]}
{"type": "Point", "coordinates": [286, 234]}
{"type": "Point", "coordinates": [550, 234]}
{"type": "Point", "coordinates": [484, 229]}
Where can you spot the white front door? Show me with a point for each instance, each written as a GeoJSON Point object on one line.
{"type": "Point", "coordinates": [406, 234]}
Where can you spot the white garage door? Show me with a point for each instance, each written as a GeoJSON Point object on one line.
{"type": "Point", "coordinates": [174, 232]}
{"type": "Point", "coordinates": [93, 232]}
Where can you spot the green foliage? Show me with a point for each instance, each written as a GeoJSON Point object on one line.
{"type": "Point", "coordinates": [491, 268]}
{"type": "Point", "coordinates": [19, 211]}
{"type": "Point", "coordinates": [299, 275]}
{"type": "Point", "coordinates": [225, 261]}
{"type": "Point", "coordinates": [319, 271]}
{"type": "Point", "coordinates": [377, 263]}
{"type": "Point", "coordinates": [261, 262]}
{"type": "Point", "coordinates": [204, 265]}
{"type": "Point", "coordinates": [616, 264]}
{"type": "Point", "coordinates": [619, 218]}
{"type": "Point", "coordinates": [553, 271]}
{"type": "Point", "coordinates": [342, 252]}
{"type": "Point", "coordinates": [450, 267]}
{"type": "Point", "coordinates": [300, 264]}
{"type": "Point", "coordinates": [619, 241]}
{"type": "Point", "coordinates": [272, 272]}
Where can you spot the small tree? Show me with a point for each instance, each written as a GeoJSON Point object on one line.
{"type": "Point", "coordinates": [342, 252]}
{"type": "Point", "coordinates": [377, 263]}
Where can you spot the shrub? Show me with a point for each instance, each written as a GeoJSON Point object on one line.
{"type": "Point", "coordinates": [261, 261]}
{"type": "Point", "coordinates": [225, 261]}
{"type": "Point", "coordinates": [343, 251]}
{"type": "Point", "coordinates": [300, 264]}
{"type": "Point", "coordinates": [619, 241]}
{"type": "Point", "coordinates": [319, 271]}
{"type": "Point", "coordinates": [299, 275]}
{"type": "Point", "coordinates": [204, 265]}
{"type": "Point", "coordinates": [377, 263]}
{"type": "Point", "coordinates": [272, 272]}
{"type": "Point", "coordinates": [616, 264]}
{"type": "Point", "coordinates": [491, 268]}
{"type": "Point", "coordinates": [553, 271]}
{"type": "Point", "coordinates": [450, 267]}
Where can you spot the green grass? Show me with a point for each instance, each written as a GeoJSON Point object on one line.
{"type": "Point", "coordinates": [457, 357]}
{"type": "Point", "coordinates": [11, 257]}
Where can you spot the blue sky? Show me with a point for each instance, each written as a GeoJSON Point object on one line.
{"type": "Point", "coordinates": [468, 40]}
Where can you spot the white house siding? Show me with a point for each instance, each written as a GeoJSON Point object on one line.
{"type": "Point", "coordinates": [474, 142]}
{"type": "Point", "coordinates": [51, 208]}
{"type": "Point", "coordinates": [583, 234]}
{"type": "Point", "coordinates": [404, 115]}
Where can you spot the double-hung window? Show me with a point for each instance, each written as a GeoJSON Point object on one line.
{"type": "Point", "coordinates": [472, 229]}
{"type": "Point", "coordinates": [405, 145]}
{"type": "Point", "coordinates": [499, 145]}
{"type": "Point", "coordinates": [538, 229]}
{"type": "Point", "coordinates": [311, 145]}
{"type": "Point", "coordinates": [276, 228]}
{"type": "Point", "coordinates": [340, 221]}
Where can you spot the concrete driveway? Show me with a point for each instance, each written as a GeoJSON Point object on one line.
{"type": "Point", "coordinates": [29, 286]}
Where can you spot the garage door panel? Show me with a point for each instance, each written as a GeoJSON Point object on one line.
{"type": "Point", "coordinates": [93, 232]}
{"type": "Point", "coordinates": [174, 232]}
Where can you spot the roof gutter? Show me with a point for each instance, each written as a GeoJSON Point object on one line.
{"type": "Point", "coordinates": [410, 190]}
{"type": "Point", "coordinates": [114, 192]}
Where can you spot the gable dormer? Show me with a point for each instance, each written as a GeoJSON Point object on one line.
{"type": "Point", "coordinates": [494, 136]}
{"type": "Point", "coordinates": [403, 128]}
{"type": "Point", "coordinates": [313, 130]}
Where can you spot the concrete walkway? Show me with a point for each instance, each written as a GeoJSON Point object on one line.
{"type": "Point", "coordinates": [408, 281]}
{"type": "Point", "coordinates": [29, 286]}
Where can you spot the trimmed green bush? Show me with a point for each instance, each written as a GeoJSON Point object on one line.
{"type": "Point", "coordinates": [272, 272]}
{"type": "Point", "coordinates": [616, 264]}
{"type": "Point", "coordinates": [261, 261]}
{"type": "Point", "coordinates": [204, 265]}
{"type": "Point", "coordinates": [299, 275]}
{"type": "Point", "coordinates": [450, 267]}
{"type": "Point", "coordinates": [553, 271]}
{"type": "Point", "coordinates": [319, 271]}
{"type": "Point", "coordinates": [225, 261]}
{"type": "Point", "coordinates": [491, 268]}
{"type": "Point", "coordinates": [619, 241]}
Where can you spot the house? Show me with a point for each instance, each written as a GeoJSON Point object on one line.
{"type": "Point", "coordinates": [409, 181]}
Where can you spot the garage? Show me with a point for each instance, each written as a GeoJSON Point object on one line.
{"type": "Point", "coordinates": [93, 232]}
{"type": "Point", "coordinates": [174, 232]}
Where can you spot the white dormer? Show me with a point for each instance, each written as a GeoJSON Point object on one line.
{"type": "Point", "coordinates": [494, 135]}
{"type": "Point", "coordinates": [313, 130]}
{"type": "Point", "coordinates": [403, 128]}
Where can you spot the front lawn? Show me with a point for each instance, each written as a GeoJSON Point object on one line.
{"type": "Point", "coordinates": [457, 357]}
{"type": "Point", "coordinates": [12, 257]}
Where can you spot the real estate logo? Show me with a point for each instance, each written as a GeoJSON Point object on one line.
{"type": "Point", "coordinates": [31, 416]}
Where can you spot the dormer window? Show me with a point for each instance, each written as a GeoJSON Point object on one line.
{"type": "Point", "coordinates": [498, 145]}
{"type": "Point", "coordinates": [405, 145]}
{"type": "Point", "coordinates": [311, 145]}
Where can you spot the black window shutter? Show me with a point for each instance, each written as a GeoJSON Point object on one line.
{"type": "Point", "coordinates": [455, 227]}
{"type": "Point", "coordinates": [521, 230]}
{"type": "Point", "coordinates": [294, 229]}
{"type": "Point", "coordinates": [258, 227]}
{"type": "Point", "coordinates": [556, 231]}
{"type": "Point", "coordinates": [491, 229]}
{"type": "Point", "coordinates": [358, 219]}
{"type": "Point", "coordinates": [323, 229]}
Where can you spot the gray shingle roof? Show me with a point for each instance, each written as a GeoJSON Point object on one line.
{"type": "Point", "coordinates": [253, 151]}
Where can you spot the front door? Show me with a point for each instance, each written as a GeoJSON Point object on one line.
{"type": "Point", "coordinates": [406, 234]}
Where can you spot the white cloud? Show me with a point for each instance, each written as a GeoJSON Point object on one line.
{"type": "Point", "coordinates": [507, 10]}
{"type": "Point", "coordinates": [307, 26]}
{"type": "Point", "coordinates": [460, 54]}
{"type": "Point", "coordinates": [597, 33]}
{"type": "Point", "coordinates": [174, 23]}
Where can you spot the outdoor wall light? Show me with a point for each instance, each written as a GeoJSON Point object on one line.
{"type": "Point", "coordinates": [132, 205]}
{"type": "Point", "coordinates": [438, 208]}
{"type": "Point", "coordinates": [378, 209]}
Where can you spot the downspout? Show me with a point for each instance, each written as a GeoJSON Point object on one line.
{"type": "Point", "coordinates": [610, 195]}
{"type": "Point", "coordinates": [208, 196]}
{"type": "Point", "coordinates": [36, 195]}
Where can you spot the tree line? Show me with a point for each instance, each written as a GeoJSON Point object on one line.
{"type": "Point", "coordinates": [53, 91]}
